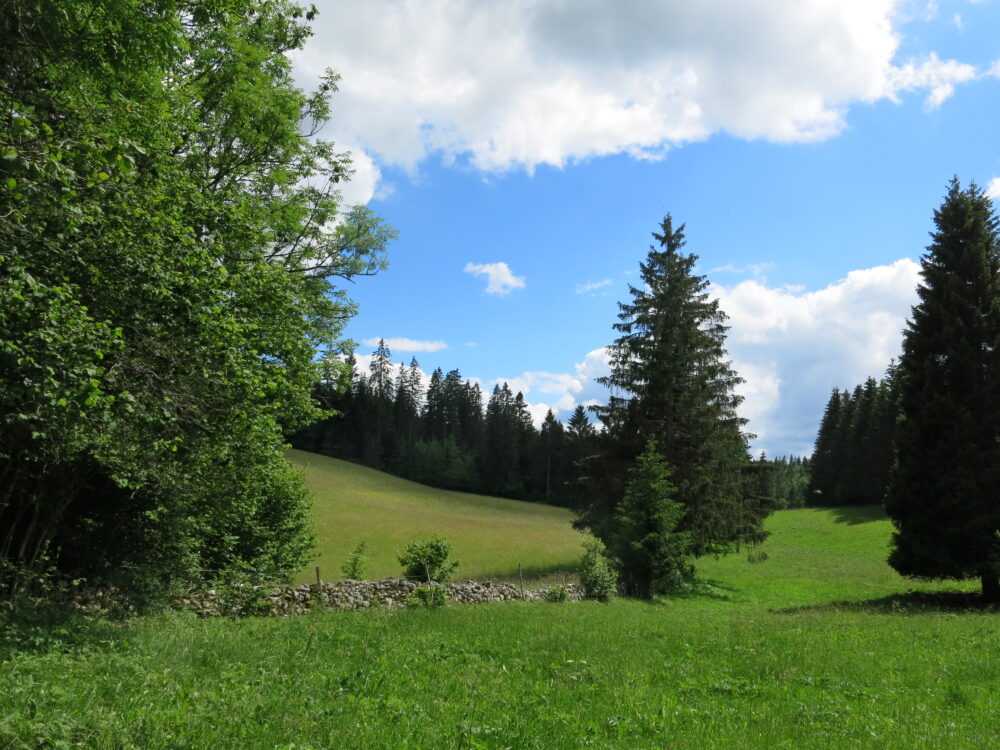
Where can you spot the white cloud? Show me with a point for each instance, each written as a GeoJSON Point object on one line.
{"type": "Point", "coordinates": [562, 392]}
{"type": "Point", "coordinates": [993, 189]}
{"type": "Point", "coordinates": [793, 347]}
{"type": "Point", "coordinates": [994, 69]}
{"type": "Point", "coordinates": [364, 182]}
{"type": "Point", "coordinates": [499, 276]}
{"type": "Point", "coordinates": [408, 345]}
{"type": "Point", "coordinates": [591, 286]}
{"type": "Point", "coordinates": [939, 76]}
{"type": "Point", "coordinates": [519, 83]}
{"type": "Point", "coordinates": [790, 346]}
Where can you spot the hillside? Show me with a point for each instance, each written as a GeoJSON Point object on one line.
{"type": "Point", "coordinates": [491, 536]}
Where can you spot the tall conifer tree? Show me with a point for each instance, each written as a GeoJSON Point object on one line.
{"type": "Point", "coordinates": [671, 381]}
{"type": "Point", "coordinates": [944, 497]}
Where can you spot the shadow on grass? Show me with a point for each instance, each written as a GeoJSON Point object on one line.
{"type": "Point", "coordinates": [910, 603]}
{"type": "Point", "coordinates": [704, 588]}
{"type": "Point", "coordinates": [39, 627]}
{"type": "Point", "coordinates": [531, 574]}
{"type": "Point", "coordinates": [854, 515]}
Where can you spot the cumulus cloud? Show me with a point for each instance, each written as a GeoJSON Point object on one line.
{"type": "Point", "coordinates": [519, 83]}
{"type": "Point", "coordinates": [408, 345]}
{"type": "Point", "coordinates": [993, 189]}
{"type": "Point", "coordinates": [500, 279]}
{"type": "Point", "coordinates": [592, 286]}
{"type": "Point", "coordinates": [937, 76]}
{"type": "Point", "coordinates": [364, 182]}
{"type": "Point", "coordinates": [793, 347]}
{"type": "Point", "coordinates": [562, 392]}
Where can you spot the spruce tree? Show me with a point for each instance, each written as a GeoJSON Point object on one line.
{"type": "Point", "coordinates": [944, 499]}
{"type": "Point", "coordinates": [671, 380]}
{"type": "Point", "coordinates": [826, 454]}
{"type": "Point", "coordinates": [648, 548]}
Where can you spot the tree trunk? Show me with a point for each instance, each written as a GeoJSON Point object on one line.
{"type": "Point", "coordinates": [991, 587]}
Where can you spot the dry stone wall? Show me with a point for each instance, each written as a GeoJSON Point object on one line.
{"type": "Point", "coordinates": [350, 595]}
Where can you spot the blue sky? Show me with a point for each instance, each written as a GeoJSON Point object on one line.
{"type": "Point", "coordinates": [526, 149]}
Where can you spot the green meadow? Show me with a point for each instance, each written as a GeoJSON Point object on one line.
{"type": "Point", "coordinates": [819, 646]}
{"type": "Point", "coordinates": [491, 536]}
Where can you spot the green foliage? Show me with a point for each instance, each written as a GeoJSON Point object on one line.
{"type": "Point", "coordinates": [427, 596]}
{"type": "Point", "coordinates": [597, 576]}
{"type": "Point", "coordinates": [671, 380]}
{"type": "Point", "coordinates": [356, 565]}
{"type": "Point", "coordinates": [168, 270]}
{"type": "Point", "coordinates": [650, 553]}
{"type": "Point", "coordinates": [943, 495]}
{"type": "Point", "coordinates": [428, 560]}
{"type": "Point", "coordinates": [556, 594]}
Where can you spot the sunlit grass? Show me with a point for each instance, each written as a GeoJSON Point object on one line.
{"type": "Point", "coordinates": [491, 536]}
{"type": "Point", "coordinates": [820, 646]}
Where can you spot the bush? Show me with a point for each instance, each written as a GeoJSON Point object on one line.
{"type": "Point", "coordinates": [556, 594]}
{"type": "Point", "coordinates": [356, 564]}
{"type": "Point", "coordinates": [427, 596]}
{"type": "Point", "coordinates": [599, 579]}
{"type": "Point", "coordinates": [428, 561]}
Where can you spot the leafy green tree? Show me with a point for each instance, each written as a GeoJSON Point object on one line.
{"type": "Point", "coordinates": [670, 380]}
{"type": "Point", "coordinates": [428, 560]}
{"type": "Point", "coordinates": [944, 498]}
{"type": "Point", "coordinates": [652, 555]}
{"type": "Point", "coordinates": [597, 575]}
{"type": "Point", "coordinates": [169, 265]}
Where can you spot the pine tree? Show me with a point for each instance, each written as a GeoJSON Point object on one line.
{"type": "Point", "coordinates": [378, 417]}
{"type": "Point", "coordinates": [647, 546]}
{"type": "Point", "coordinates": [670, 380]}
{"type": "Point", "coordinates": [551, 458]}
{"type": "Point", "coordinates": [944, 498]}
{"type": "Point", "coordinates": [826, 454]}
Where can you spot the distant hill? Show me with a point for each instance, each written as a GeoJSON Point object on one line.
{"type": "Point", "coordinates": [491, 536]}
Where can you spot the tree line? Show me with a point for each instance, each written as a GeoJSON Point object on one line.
{"type": "Point", "coordinates": [447, 434]}
{"type": "Point", "coordinates": [855, 446]}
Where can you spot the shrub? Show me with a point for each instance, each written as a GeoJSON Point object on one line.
{"type": "Point", "coordinates": [427, 596]}
{"type": "Point", "coordinates": [428, 561]}
{"type": "Point", "coordinates": [356, 564]}
{"type": "Point", "coordinates": [556, 594]}
{"type": "Point", "coordinates": [599, 579]}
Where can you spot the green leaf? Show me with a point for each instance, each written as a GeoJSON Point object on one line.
{"type": "Point", "coordinates": [11, 183]}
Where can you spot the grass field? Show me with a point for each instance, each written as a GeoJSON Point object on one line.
{"type": "Point", "coordinates": [820, 646]}
{"type": "Point", "coordinates": [491, 536]}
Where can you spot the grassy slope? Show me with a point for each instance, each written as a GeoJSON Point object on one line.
{"type": "Point", "coordinates": [491, 536]}
{"type": "Point", "coordinates": [814, 648]}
